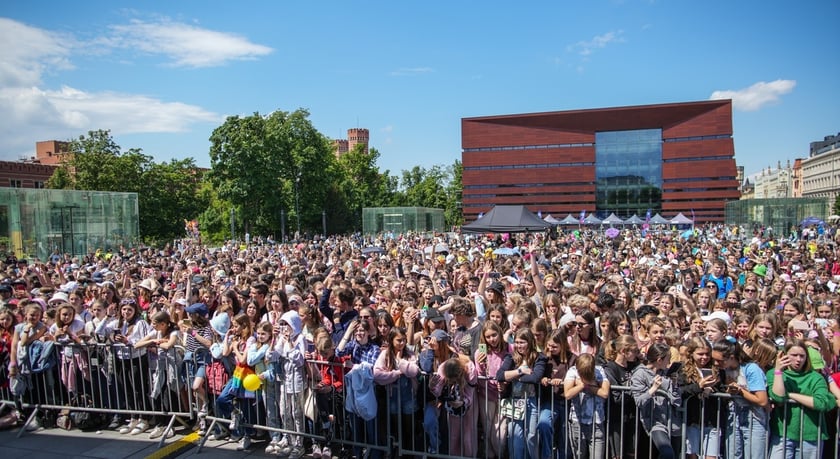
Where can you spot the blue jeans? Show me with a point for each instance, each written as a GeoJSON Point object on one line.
{"type": "Point", "coordinates": [588, 440]}
{"type": "Point", "coordinates": [432, 428]}
{"type": "Point", "coordinates": [551, 429]}
{"type": "Point", "coordinates": [789, 449]}
{"type": "Point", "coordinates": [746, 434]}
{"type": "Point", "coordinates": [522, 433]}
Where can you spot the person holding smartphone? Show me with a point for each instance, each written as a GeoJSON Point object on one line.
{"type": "Point", "coordinates": [698, 380]}
{"type": "Point", "coordinates": [657, 396]}
{"type": "Point", "coordinates": [801, 398]}
{"type": "Point", "coordinates": [747, 422]}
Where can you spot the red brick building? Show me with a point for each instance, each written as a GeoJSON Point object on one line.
{"type": "Point", "coordinates": [33, 172]}
{"type": "Point", "coordinates": [668, 158]}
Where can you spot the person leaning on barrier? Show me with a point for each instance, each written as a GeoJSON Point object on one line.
{"type": "Point", "coordinates": [657, 397]}
{"type": "Point", "coordinates": [801, 398]}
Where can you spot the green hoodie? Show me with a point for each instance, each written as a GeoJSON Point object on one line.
{"type": "Point", "coordinates": [813, 420]}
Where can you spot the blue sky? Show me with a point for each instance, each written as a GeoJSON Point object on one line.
{"type": "Point", "coordinates": [161, 75]}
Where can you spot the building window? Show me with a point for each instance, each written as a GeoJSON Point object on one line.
{"type": "Point", "coordinates": [628, 171]}
{"type": "Point", "coordinates": [15, 183]}
{"type": "Point", "coordinates": [39, 184]}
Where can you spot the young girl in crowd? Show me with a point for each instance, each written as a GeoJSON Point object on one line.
{"type": "Point", "coordinates": [197, 338]}
{"type": "Point", "coordinates": [657, 396]}
{"type": "Point", "coordinates": [716, 330]}
{"type": "Point", "coordinates": [747, 433]}
{"type": "Point", "coordinates": [31, 329]}
{"type": "Point", "coordinates": [454, 385]}
{"type": "Point", "coordinates": [622, 355]}
{"type": "Point", "coordinates": [289, 350]}
{"type": "Point", "coordinates": [329, 386]}
{"type": "Point", "coordinates": [396, 367]}
{"type": "Point", "coordinates": [697, 380]}
{"type": "Point", "coordinates": [586, 389]}
{"type": "Point", "coordinates": [132, 365]}
{"type": "Point", "coordinates": [488, 359]}
{"type": "Point", "coordinates": [438, 350]}
{"type": "Point", "coordinates": [360, 349]}
{"type": "Point", "coordinates": [551, 425]}
{"type": "Point", "coordinates": [236, 343]}
{"type": "Point", "coordinates": [523, 369]}
{"type": "Point", "coordinates": [68, 331]}
{"type": "Point", "coordinates": [801, 399]}
{"type": "Point", "coordinates": [165, 394]}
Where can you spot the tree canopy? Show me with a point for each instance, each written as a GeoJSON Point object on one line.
{"type": "Point", "coordinates": [275, 172]}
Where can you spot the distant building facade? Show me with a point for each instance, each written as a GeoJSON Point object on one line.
{"type": "Point", "coordinates": [33, 172]}
{"type": "Point", "coordinates": [668, 158]}
{"type": "Point", "coordinates": [355, 136]}
{"type": "Point", "coordinates": [821, 169]}
{"type": "Point", "coordinates": [774, 183]}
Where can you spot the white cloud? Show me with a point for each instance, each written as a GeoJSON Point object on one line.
{"type": "Point", "coordinates": [186, 45]}
{"type": "Point", "coordinates": [756, 96]}
{"type": "Point", "coordinates": [32, 112]}
{"type": "Point", "coordinates": [585, 48]}
{"type": "Point", "coordinates": [411, 71]}
{"type": "Point", "coordinates": [28, 52]}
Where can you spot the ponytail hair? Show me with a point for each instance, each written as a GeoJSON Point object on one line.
{"type": "Point", "coordinates": [620, 344]}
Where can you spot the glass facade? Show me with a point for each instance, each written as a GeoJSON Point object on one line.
{"type": "Point", "coordinates": [779, 213]}
{"type": "Point", "coordinates": [36, 222]}
{"type": "Point", "coordinates": [401, 220]}
{"type": "Point", "coordinates": [628, 172]}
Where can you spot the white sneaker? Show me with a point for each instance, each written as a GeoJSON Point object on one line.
{"type": "Point", "coordinates": [326, 453]}
{"type": "Point", "coordinates": [141, 427]}
{"type": "Point", "coordinates": [283, 447]}
{"type": "Point", "coordinates": [316, 452]}
{"type": "Point", "coordinates": [156, 432]}
{"type": "Point", "coordinates": [244, 444]}
{"type": "Point", "coordinates": [129, 427]}
{"type": "Point", "coordinates": [271, 448]}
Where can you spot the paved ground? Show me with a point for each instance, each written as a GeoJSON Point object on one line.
{"type": "Point", "coordinates": [73, 444]}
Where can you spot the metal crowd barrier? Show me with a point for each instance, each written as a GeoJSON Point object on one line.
{"type": "Point", "coordinates": [112, 382]}
{"type": "Point", "coordinates": [106, 381]}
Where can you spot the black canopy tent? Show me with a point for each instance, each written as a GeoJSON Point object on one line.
{"type": "Point", "coordinates": [507, 219]}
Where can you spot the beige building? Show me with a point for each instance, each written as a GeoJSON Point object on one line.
{"type": "Point", "coordinates": [774, 183]}
{"type": "Point", "coordinates": [821, 170]}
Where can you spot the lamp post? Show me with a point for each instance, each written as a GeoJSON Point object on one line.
{"type": "Point", "coordinates": [232, 214]}
{"type": "Point", "coordinates": [297, 201]}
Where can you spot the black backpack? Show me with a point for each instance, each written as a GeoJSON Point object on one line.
{"type": "Point", "coordinates": [86, 420]}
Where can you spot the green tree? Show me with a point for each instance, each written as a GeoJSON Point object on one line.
{"type": "Point", "coordinates": [169, 195]}
{"type": "Point", "coordinates": [166, 192]}
{"type": "Point", "coordinates": [264, 165]}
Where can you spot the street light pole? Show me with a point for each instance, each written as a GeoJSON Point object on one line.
{"type": "Point", "coordinates": [232, 234]}
{"type": "Point", "coordinates": [297, 201]}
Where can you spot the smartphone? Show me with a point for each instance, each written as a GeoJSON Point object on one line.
{"type": "Point", "coordinates": [482, 348]}
{"type": "Point", "coordinates": [495, 275]}
{"type": "Point", "coordinates": [674, 368]}
{"type": "Point", "coordinates": [706, 372]}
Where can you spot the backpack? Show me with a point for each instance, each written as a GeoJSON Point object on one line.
{"type": "Point", "coordinates": [86, 420]}
{"type": "Point", "coordinates": [217, 376]}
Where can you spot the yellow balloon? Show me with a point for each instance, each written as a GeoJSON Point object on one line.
{"type": "Point", "coordinates": [251, 382]}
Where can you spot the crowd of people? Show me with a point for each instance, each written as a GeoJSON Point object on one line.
{"type": "Point", "coordinates": [549, 345]}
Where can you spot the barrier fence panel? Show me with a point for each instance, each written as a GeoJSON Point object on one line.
{"type": "Point", "coordinates": [324, 405]}
{"type": "Point", "coordinates": [91, 386]}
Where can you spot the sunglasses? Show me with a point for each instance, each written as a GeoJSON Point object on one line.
{"type": "Point", "coordinates": [581, 324]}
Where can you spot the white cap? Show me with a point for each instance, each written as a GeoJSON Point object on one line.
{"type": "Point", "coordinates": [718, 315]}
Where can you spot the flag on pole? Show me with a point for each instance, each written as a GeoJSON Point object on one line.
{"type": "Point", "coordinates": [582, 215]}
{"type": "Point", "coordinates": [647, 216]}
